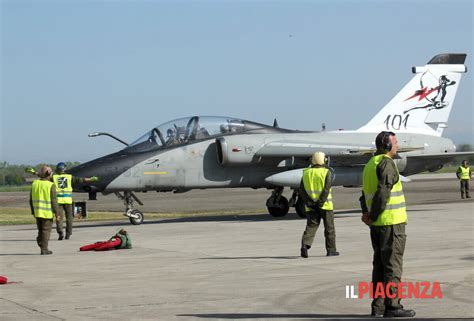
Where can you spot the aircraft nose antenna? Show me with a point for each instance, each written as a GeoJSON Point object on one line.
{"type": "Point", "coordinates": [107, 134]}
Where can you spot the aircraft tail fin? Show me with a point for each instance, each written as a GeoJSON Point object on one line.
{"type": "Point", "coordinates": [424, 104]}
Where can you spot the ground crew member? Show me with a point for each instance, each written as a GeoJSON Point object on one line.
{"type": "Point", "coordinates": [64, 183]}
{"type": "Point", "coordinates": [384, 210]}
{"type": "Point", "coordinates": [44, 207]}
{"type": "Point", "coordinates": [464, 175]}
{"type": "Point", "coordinates": [120, 240]}
{"type": "Point", "coordinates": [315, 189]}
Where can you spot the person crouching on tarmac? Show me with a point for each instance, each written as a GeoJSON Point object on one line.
{"type": "Point", "coordinates": [44, 207]}
{"type": "Point", "coordinates": [64, 185]}
{"type": "Point", "coordinates": [120, 240]}
{"type": "Point", "coordinates": [315, 189]}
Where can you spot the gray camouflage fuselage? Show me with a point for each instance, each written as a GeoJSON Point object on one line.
{"type": "Point", "coordinates": [200, 165]}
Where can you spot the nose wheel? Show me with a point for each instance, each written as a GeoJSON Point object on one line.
{"type": "Point", "coordinates": [135, 216]}
{"type": "Point", "coordinates": [277, 204]}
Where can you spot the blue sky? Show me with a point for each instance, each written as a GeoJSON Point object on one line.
{"type": "Point", "coordinates": [69, 68]}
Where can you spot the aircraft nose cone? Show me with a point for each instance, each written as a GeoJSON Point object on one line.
{"type": "Point", "coordinates": [106, 168]}
{"type": "Point", "coordinates": [86, 171]}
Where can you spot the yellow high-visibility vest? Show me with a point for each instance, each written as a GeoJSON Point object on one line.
{"type": "Point", "coordinates": [41, 198]}
{"type": "Point", "coordinates": [464, 173]}
{"type": "Point", "coordinates": [313, 181]}
{"type": "Point", "coordinates": [63, 184]}
{"type": "Point", "coordinates": [395, 209]}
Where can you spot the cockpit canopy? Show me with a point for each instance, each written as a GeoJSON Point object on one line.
{"type": "Point", "coordinates": [196, 128]}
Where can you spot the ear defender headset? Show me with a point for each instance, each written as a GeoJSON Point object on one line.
{"type": "Point", "coordinates": [383, 142]}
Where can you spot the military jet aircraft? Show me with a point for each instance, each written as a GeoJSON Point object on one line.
{"type": "Point", "coordinates": [203, 152]}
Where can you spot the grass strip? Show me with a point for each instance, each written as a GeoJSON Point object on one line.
{"type": "Point", "coordinates": [23, 188]}
{"type": "Point", "coordinates": [14, 216]}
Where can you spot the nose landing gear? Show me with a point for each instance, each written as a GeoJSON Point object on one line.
{"type": "Point", "coordinates": [136, 216]}
{"type": "Point", "coordinates": [277, 204]}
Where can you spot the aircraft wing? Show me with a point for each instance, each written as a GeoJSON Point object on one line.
{"type": "Point", "coordinates": [430, 162]}
{"type": "Point", "coordinates": [440, 156]}
{"type": "Point", "coordinates": [306, 149]}
{"type": "Point", "coordinates": [340, 154]}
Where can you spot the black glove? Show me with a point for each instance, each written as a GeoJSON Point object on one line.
{"type": "Point", "coordinates": [313, 205]}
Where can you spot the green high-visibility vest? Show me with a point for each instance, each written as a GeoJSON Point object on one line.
{"type": "Point", "coordinates": [41, 198]}
{"type": "Point", "coordinates": [63, 184]}
{"type": "Point", "coordinates": [313, 181]}
{"type": "Point", "coordinates": [464, 173]}
{"type": "Point", "coordinates": [395, 209]}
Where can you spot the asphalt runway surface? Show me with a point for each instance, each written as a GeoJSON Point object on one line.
{"type": "Point", "coordinates": [237, 267]}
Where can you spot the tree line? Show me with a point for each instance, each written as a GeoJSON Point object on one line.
{"type": "Point", "coordinates": [14, 175]}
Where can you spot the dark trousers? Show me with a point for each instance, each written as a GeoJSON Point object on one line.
{"type": "Point", "coordinates": [65, 208]}
{"type": "Point", "coordinates": [44, 231]}
{"type": "Point", "coordinates": [388, 243]}
{"type": "Point", "coordinates": [312, 224]}
{"type": "Point", "coordinates": [464, 187]}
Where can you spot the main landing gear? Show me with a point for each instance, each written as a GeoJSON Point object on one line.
{"type": "Point", "coordinates": [278, 205]}
{"type": "Point", "coordinates": [136, 217]}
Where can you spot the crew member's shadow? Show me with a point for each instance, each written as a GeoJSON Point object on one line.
{"type": "Point", "coordinates": [17, 254]}
{"type": "Point", "coordinates": [315, 316]}
{"type": "Point", "coordinates": [250, 257]}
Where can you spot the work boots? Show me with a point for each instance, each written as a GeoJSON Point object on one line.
{"type": "Point", "coordinates": [332, 253]}
{"type": "Point", "coordinates": [399, 313]}
{"type": "Point", "coordinates": [375, 314]}
{"type": "Point", "coordinates": [46, 252]}
{"type": "Point", "coordinates": [304, 251]}
{"type": "Point", "coordinates": [61, 236]}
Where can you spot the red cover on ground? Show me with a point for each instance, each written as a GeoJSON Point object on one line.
{"type": "Point", "coordinates": [110, 244]}
{"type": "Point", "coordinates": [90, 247]}
{"type": "Point", "coordinates": [3, 280]}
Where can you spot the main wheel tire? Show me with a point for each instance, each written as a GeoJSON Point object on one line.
{"type": "Point", "coordinates": [280, 209]}
{"type": "Point", "coordinates": [137, 220]}
{"type": "Point", "coordinates": [300, 208]}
